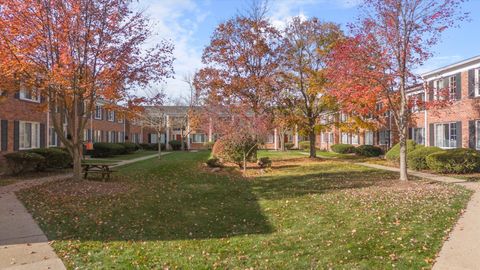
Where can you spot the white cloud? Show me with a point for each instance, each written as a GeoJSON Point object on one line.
{"type": "Point", "coordinates": [438, 62]}
{"type": "Point", "coordinates": [177, 21]}
{"type": "Point", "coordinates": [282, 11]}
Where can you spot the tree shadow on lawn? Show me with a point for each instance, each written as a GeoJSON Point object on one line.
{"type": "Point", "coordinates": [289, 186]}
{"type": "Point", "coordinates": [210, 206]}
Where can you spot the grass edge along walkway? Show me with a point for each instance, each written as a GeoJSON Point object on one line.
{"type": "Point", "coordinates": [460, 250]}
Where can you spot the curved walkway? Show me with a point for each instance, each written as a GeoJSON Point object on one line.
{"type": "Point", "coordinates": [461, 251]}
{"type": "Point", "coordinates": [23, 245]}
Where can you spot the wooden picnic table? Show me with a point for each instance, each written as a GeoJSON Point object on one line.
{"type": "Point", "coordinates": [99, 168]}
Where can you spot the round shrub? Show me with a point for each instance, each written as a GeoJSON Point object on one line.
{"type": "Point", "coordinates": [264, 162]}
{"type": "Point", "coordinates": [368, 151]}
{"type": "Point", "coordinates": [289, 145]}
{"type": "Point", "coordinates": [304, 145]}
{"type": "Point", "coordinates": [394, 153]}
{"type": "Point", "coordinates": [233, 150]}
{"type": "Point", "coordinates": [417, 159]}
{"type": "Point", "coordinates": [343, 148]}
{"type": "Point", "coordinates": [176, 145]}
{"type": "Point", "coordinates": [460, 160]}
{"type": "Point", "coordinates": [214, 162]}
{"type": "Point", "coordinates": [23, 161]}
{"type": "Point", "coordinates": [54, 158]}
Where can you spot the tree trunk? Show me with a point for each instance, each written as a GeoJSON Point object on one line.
{"type": "Point", "coordinates": [159, 146]}
{"type": "Point", "coordinates": [313, 151]}
{"type": "Point", "coordinates": [403, 153]}
{"type": "Point", "coordinates": [244, 163]}
{"type": "Point", "coordinates": [282, 141]}
{"type": "Point", "coordinates": [77, 162]}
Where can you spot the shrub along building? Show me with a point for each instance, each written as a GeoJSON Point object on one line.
{"type": "Point", "coordinates": [25, 123]}
{"type": "Point", "coordinates": [455, 125]}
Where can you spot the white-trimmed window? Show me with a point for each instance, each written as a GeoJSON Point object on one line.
{"type": "Point", "coordinates": [477, 135]}
{"type": "Point", "coordinates": [384, 137]}
{"type": "Point", "coordinates": [111, 136]}
{"type": "Point", "coordinates": [477, 82]}
{"type": "Point", "coordinates": [345, 138]}
{"type": "Point", "coordinates": [153, 138]}
{"type": "Point", "coordinates": [29, 94]}
{"type": "Point", "coordinates": [198, 138]}
{"type": "Point", "coordinates": [437, 87]}
{"type": "Point", "coordinates": [53, 137]}
{"type": "Point", "coordinates": [452, 87]}
{"type": "Point", "coordinates": [369, 137]}
{"type": "Point", "coordinates": [418, 135]}
{"type": "Point", "coordinates": [121, 137]}
{"type": "Point", "coordinates": [446, 135]}
{"type": "Point", "coordinates": [98, 112]}
{"type": "Point", "coordinates": [110, 116]}
{"type": "Point", "coordinates": [355, 138]}
{"type": "Point", "coordinates": [270, 138]}
{"type": "Point", "coordinates": [29, 136]}
{"type": "Point", "coordinates": [97, 136]}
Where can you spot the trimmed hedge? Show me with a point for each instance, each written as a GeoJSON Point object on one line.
{"type": "Point", "coordinates": [304, 145]}
{"type": "Point", "coordinates": [417, 159]}
{"type": "Point", "coordinates": [460, 160]}
{"type": "Point", "coordinates": [176, 145]}
{"type": "Point", "coordinates": [394, 153]}
{"type": "Point", "coordinates": [368, 151]}
{"type": "Point", "coordinates": [289, 145]}
{"type": "Point", "coordinates": [54, 158]}
{"type": "Point", "coordinates": [343, 148]}
{"type": "Point", "coordinates": [152, 146]}
{"type": "Point", "coordinates": [23, 161]}
{"type": "Point", "coordinates": [130, 147]}
{"type": "Point", "coordinates": [264, 162]}
{"type": "Point", "coordinates": [107, 149]}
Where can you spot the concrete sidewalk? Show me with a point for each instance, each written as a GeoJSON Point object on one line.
{"type": "Point", "coordinates": [126, 162]}
{"type": "Point", "coordinates": [461, 251]}
{"type": "Point", "coordinates": [23, 245]}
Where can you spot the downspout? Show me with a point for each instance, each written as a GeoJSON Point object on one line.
{"type": "Point", "coordinates": [48, 123]}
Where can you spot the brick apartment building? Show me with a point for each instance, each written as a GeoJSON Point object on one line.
{"type": "Point", "coordinates": [25, 124]}
{"type": "Point", "coordinates": [456, 125]}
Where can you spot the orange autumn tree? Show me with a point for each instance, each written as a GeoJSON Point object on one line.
{"type": "Point", "coordinates": [74, 53]}
{"type": "Point", "coordinates": [306, 45]}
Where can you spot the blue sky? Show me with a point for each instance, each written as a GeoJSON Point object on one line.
{"type": "Point", "coordinates": [190, 23]}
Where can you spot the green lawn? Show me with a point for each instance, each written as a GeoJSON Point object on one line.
{"type": "Point", "coordinates": [277, 155]}
{"type": "Point", "coordinates": [172, 213]}
{"type": "Point", "coordinates": [136, 154]}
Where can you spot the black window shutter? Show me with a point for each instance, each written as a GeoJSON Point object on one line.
{"type": "Point", "coordinates": [42, 135]}
{"type": "Point", "coordinates": [431, 91]}
{"type": "Point", "coordinates": [410, 133]}
{"type": "Point", "coordinates": [458, 92]}
{"type": "Point", "coordinates": [16, 135]}
{"type": "Point", "coordinates": [471, 83]}
{"type": "Point", "coordinates": [101, 135]}
{"type": "Point", "coordinates": [459, 134]}
{"type": "Point", "coordinates": [432, 134]}
{"type": "Point", "coordinates": [149, 138]}
{"type": "Point", "coordinates": [471, 134]}
{"type": "Point", "coordinates": [17, 95]}
{"type": "Point", "coordinates": [4, 135]}
{"type": "Point", "coordinates": [58, 140]}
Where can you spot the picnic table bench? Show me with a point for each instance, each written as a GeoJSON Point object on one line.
{"type": "Point", "coordinates": [97, 168]}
